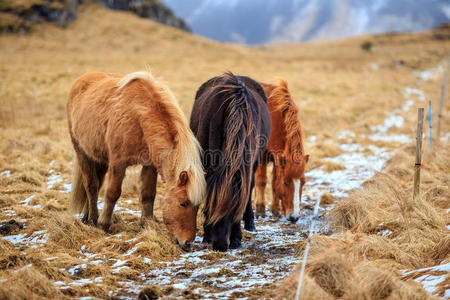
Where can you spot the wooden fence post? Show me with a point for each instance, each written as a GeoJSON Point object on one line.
{"type": "Point", "coordinates": [418, 164]}
{"type": "Point", "coordinates": [441, 102]}
{"type": "Point", "coordinates": [430, 125]}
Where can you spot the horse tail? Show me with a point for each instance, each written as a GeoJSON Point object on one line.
{"type": "Point", "coordinates": [230, 184]}
{"type": "Point", "coordinates": [78, 197]}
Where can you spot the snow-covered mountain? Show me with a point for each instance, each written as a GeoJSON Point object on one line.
{"type": "Point", "coordinates": [267, 21]}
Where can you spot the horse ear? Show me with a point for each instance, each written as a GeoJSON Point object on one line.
{"type": "Point", "coordinates": [306, 158]}
{"type": "Point", "coordinates": [283, 161]}
{"type": "Point", "coordinates": [183, 178]}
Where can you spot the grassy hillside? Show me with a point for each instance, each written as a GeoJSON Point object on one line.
{"type": "Point", "coordinates": [337, 85]}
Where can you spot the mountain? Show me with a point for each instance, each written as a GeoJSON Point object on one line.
{"type": "Point", "coordinates": [269, 21]}
{"type": "Point", "coordinates": [19, 16]}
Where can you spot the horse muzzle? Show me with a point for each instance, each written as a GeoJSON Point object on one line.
{"type": "Point", "coordinates": [186, 246]}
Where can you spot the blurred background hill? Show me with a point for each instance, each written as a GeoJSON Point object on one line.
{"type": "Point", "coordinates": [269, 21]}
{"type": "Point", "coordinates": [20, 15]}
{"type": "Point", "coordinates": [249, 21]}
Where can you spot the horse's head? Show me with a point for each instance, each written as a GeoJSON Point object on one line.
{"type": "Point", "coordinates": [179, 212]}
{"type": "Point", "coordinates": [293, 169]}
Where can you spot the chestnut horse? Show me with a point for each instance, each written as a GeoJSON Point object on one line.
{"type": "Point", "coordinates": [232, 123]}
{"type": "Point", "coordinates": [117, 121]}
{"type": "Point", "coordinates": [286, 152]}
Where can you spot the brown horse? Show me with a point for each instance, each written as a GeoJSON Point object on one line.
{"type": "Point", "coordinates": [286, 152]}
{"type": "Point", "coordinates": [115, 122]}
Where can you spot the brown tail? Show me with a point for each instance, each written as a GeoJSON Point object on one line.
{"type": "Point", "coordinates": [78, 198]}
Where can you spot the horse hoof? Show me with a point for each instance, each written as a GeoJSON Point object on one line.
{"type": "Point", "coordinates": [146, 220]}
{"type": "Point", "coordinates": [85, 218]}
{"type": "Point", "coordinates": [276, 214]}
{"type": "Point", "coordinates": [90, 223]}
{"type": "Point", "coordinates": [235, 244]}
{"type": "Point", "coordinates": [105, 227]}
{"type": "Point", "coordinates": [250, 227]}
{"type": "Point", "coordinates": [260, 212]}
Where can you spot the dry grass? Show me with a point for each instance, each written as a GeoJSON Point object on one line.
{"type": "Point", "coordinates": [332, 83]}
{"type": "Point", "coordinates": [378, 243]}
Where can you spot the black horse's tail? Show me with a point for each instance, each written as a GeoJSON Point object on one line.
{"type": "Point", "coordinates": [229, 186]}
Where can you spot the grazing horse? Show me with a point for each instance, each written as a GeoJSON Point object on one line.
{"type": "Point", "coordinates": [117, 121]}
{"type": "Point", "coordinates": [285, 150]}
{"type": "Point", "coordinates": [232, 123]}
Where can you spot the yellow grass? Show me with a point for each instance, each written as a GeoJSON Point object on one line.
{"type": "Point", "coordinates": [332, 83]}
{"type": "Point", "coordinates": [379, 242]}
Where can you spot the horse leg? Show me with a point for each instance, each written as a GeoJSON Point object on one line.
{"type": "Point", "coordinates": [149, 177]}
{"type": "Point", "coordinates": [91, 183]}
{"type": "Point", "coordinates": [206, 231]}
{"type": "Point", "coordinates": [275, 207]}
{"type": "Point", "coordinates": [249, 217]}
{"type": "Point", "coordinates": [235, 236]}
{"type": "Point", "coordinates": [115, 178]}
{"type": "Point", "coordinates": [302, 183]}
{"type": "Point", "coordinates": [261, 181]}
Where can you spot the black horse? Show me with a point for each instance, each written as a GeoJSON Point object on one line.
{"type": "Point", "coordinates": [231, 120]}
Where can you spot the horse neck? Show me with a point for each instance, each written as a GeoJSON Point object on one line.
{"type": "Point", "coordinates": [290, 124]}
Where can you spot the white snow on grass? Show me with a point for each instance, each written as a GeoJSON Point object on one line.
{"type": "Point", "coordinates": [358, 168]}
{"type": "Point", "coordinates": [389, 122]}
{"type": "Point", "coordinates": [407, 105]}
{"type": "Point", "coordinates": [32, 240]}
{"type": "Point", "coordinates": [345, 134]}
{"type": "Point", "coordinates": [446, 137]}
{"type": "Point", "coordinates": [429, 73]}
{"type": "Point", "coordinates": [77, 269]}
{"type": "Point", "coordinates": [15, 239]}
{"type": "Point", "coordinates": [55, 178]}
{"type": "Point", "coordinates": [232, 272]}
{"type": "Point", "coordinates": [434, 277]}
{"type": "Point", "coordinates": [399, 138]}
{"type": "Point", "coordinates": [443, 268]}
{"type": "Point", "coordinates": [9, 213]}
{"type": "Point", "coordinates": [430, 282]}
{"type": "Point", "coordinates": [27, 201]}
{"type": "Point", "coordinates": [409, 91]}
{"type": "Point", "coordinates": [5, 173]}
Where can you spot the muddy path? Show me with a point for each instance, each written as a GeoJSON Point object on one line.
{"type": "Point", "coordinates": [265, 257]}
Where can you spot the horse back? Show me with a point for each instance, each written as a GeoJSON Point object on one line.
{"type": "Point", "coordinates": [208, 113]}
{"type": "Point", "coordinates": [95, 112]}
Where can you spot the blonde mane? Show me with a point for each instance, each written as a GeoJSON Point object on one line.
{"type": "Point", "coordinates": [281, 97]}
{"type": "Point", "coordinates": [188, 150]}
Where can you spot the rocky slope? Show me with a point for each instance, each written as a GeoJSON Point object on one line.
{"type": "Point", "coordinates": [20, 15]}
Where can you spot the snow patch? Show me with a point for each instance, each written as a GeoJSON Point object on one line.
{"type": "Point", "coordinates": [5, 173]}
{"type": "Point", "coordinates": [33, 240]}
{"type": "Point", "coordinates": [55, 178]}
